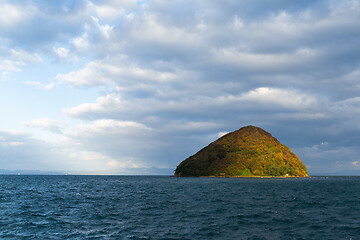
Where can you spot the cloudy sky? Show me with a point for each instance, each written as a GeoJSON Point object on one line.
{"type": "Point", "coordinates": [108, 86]}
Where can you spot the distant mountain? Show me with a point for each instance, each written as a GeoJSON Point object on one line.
{"type": "Point", "coordinates": [249, 151]}
{"type": "Point", "coordinates": [140, 171]}
{"type": "Point", "coordinates": [122, 171]}
{"type": "Point", "coordinates": [339, 173]}
{"type": "Point", "coordinates": [128, 171]}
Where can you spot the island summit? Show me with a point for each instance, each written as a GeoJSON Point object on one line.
{"type": "Point", "coordinates": [247, 152]}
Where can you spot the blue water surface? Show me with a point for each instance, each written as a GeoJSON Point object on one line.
{"type": "Point", "coordinates": [163, 207]}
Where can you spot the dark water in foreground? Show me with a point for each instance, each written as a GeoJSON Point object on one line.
{"type": "Point", "coordinates": [151, 207]}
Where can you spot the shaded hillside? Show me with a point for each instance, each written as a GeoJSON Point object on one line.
{"type": "Point", "coordinates": [249, 151]}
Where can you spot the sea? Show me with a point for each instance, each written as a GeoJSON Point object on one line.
{"type": "Point", "coordinates": [164, 207]}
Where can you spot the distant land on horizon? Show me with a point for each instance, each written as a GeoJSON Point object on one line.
{"type": "Point", "coordinates": [125, 171]}
{"type": "Point", "coordinates": [29, 172]}
{"type": "Point", "coordinates": [139, 172]}
{"type": "Point", "coordinates": [338, 173]}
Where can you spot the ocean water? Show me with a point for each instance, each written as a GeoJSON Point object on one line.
{"type": "Point", "coordinates": [162, 207]}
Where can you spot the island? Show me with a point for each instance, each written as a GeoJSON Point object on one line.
{"type": "Point", "coordinates": [247, 152]}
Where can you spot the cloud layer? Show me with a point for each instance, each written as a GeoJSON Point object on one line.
{"type": "Point", "coordinates": [170, 77]}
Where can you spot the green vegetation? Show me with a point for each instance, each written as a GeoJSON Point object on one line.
{"type": "Point", "coordinates": [249, 151]}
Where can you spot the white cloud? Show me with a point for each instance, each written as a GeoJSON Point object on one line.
{"type": "Point", "coordinates": [264, 61]}
{"type": "Point", "coordinates": [90, 157]}
{"type": "Point", "coordinates": [130, 16]}
{"type": "Point", "coordinates": [112, 105]}
{"type": "Point", "coordinates": [26, 57]}
{"type": "Point", "coordinates": [116, 70]}
{"type": "Point", "coordinates": [10, 15]}
{"type": "Point", "coordinates": [113, 163]}
{"type": "Point", "coordinates": [106, 11]}
{"type": "Point", "coordinates": [15, 60]}
{"type": "Point", "coordinates": [19, 150]}
{"type": "Point", "coordinates": [5, 143]}
{"type": "Point", "coordinates": [11, 66]}
{"type": "Point", "coordinates": [111, 9]}
{"type": "Point", "coordinates": [61, 52]}
{"type": "Point", "coordinates": [125, 143]}
{"type": "Point", "coordinates": [103, 105]}
{"type": "Point", "coordinates": [47, 124]}
{"type": "Point", "coordinates": [89, 76]}
{"type": "Point", "coordinates": [105, 29]}
{"type": "Point", "coordinates": [99, 163]}
{"type": "Point", "coordinates": [81, 43]}
{"type": "Point", "coordinates": [40, 85]}
{"type": "Point", "coordinates": [106, 127]}
{"type": "Point", "coordinates": [126, 163]}
{"type": "Point", "coordinates": [237, 23]}
{"type": "Point", "coordinates": [152, 30]}
{"type": "Point", "coordinates": [15, 144]}
{"type": "Point", "coordinates": [282, 97]}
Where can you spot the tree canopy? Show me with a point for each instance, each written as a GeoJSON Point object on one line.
{"type": "Point", "coordinates": [249, 151]}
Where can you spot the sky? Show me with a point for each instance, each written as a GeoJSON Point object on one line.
{"type": "Point", "coordinates": [117, 87]}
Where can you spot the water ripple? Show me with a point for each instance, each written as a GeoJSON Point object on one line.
{"type": "Point", "coordinates": [140, 207]}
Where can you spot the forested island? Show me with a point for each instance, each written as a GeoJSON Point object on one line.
{"type": "Point", "coordinates": [247, 152]}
